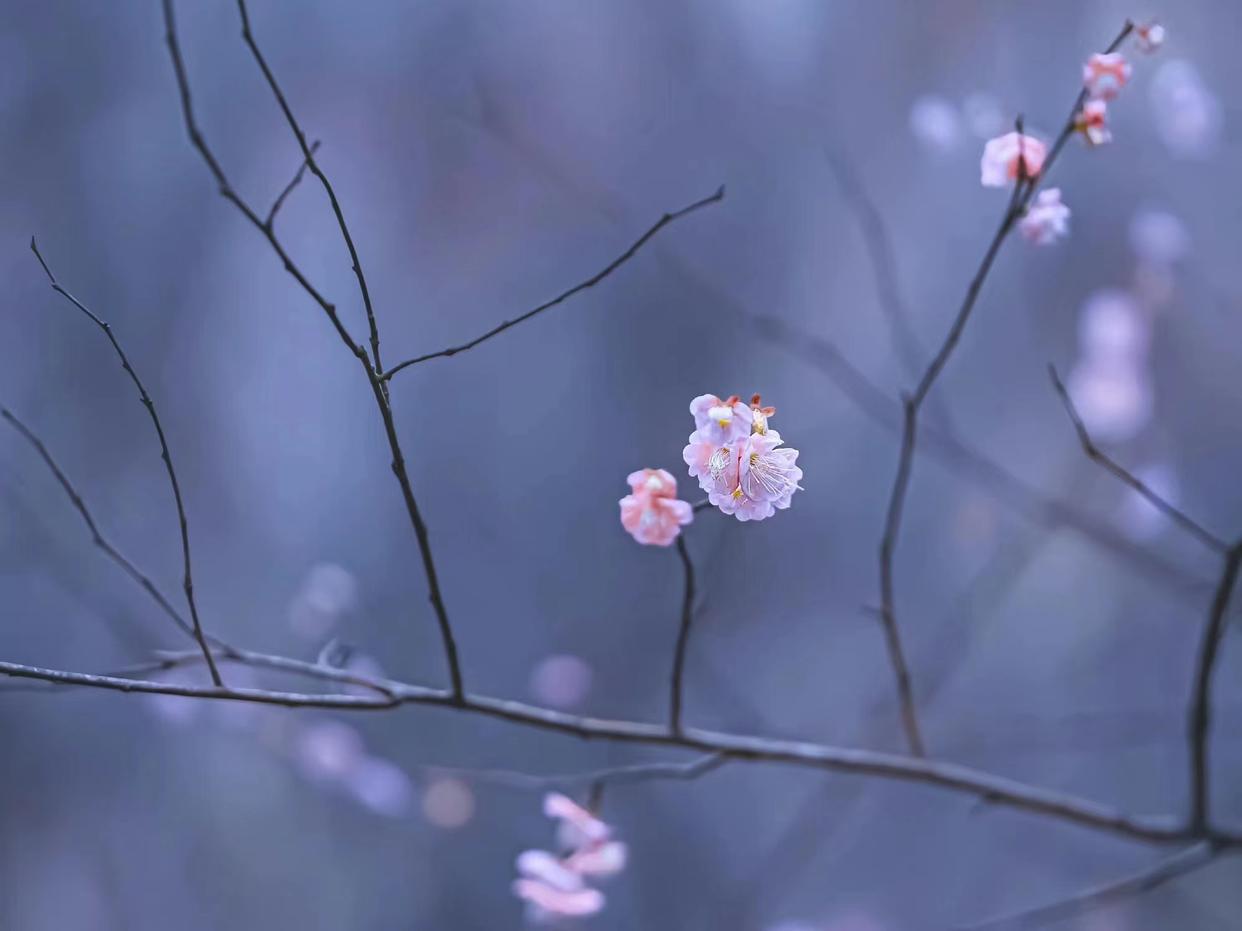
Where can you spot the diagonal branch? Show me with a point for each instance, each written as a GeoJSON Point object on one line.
{"type": "Point", "coordinates": [165, 455]}
{"type": "Point", "coordinates": [565, 295]}
{"type": "Point", "coordinates": [308, 153]}
{"type": "Point", "coordinates": [1168, 869]}
{"type": "Point", "coordinates": [288, 189]}
{"type": "Point", "coordinates": [612, 775]}
{"type": "Point", "coordinates": [1093, 452]}
{"type": "Point", "coordinates": [1023, 190]}
{"type": "Point", "coordinates": [683, 637]}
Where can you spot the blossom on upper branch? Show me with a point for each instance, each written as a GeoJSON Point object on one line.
{"type": "Point", "coordinates": [750, 476]}
{"type": "Point", "coordinates": [1105, 74]}
{"type": "Point", "coordinates": [555, 886]}
{"type": "Point", "coordinates": [1047, 219]}
{"type": "Point", "coordinates": [651, 513]}
{"type": "Point", "coordinates": [720, 421]}
{"type": "Point", "coordinates": [1008, 157]}
{"type": "Point", "coordinates": [1092, 122]}
{"type": "Point", "coordinates": [1149, 37]}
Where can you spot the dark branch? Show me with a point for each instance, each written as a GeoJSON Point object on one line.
{"type": "Point", "coordinates": [165, 455]}
{"type": "Point", "coordinates": [613, 775]}
{"type": "Point", "coordinates": [996, 790]}
{"type": "Point", "coordinates": [293, 183]}
{"type": "Point", "coordinates": [1093, 452]}
{"type": "Point", "coordinates": [683, 637]}
{"type": "Point", "coordinates": [308, 153]}
{"type": "Point", "coordinates": [1201, 692]}
{"type": "Point", "coordinates": [564, 296]}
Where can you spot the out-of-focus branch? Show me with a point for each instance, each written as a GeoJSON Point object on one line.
{"type": "Point", "coordinates": [989, 788]}
{"type": "Point", "coordinates": [612, 775]}
{"type": "Point", "coordinates": [1169, 868]}
{"type": "Point", "coordinates": [683, 637]}
{"type": "Point", "coordinates": [1023, 190]}
{"type": "Point", "coordinates": [1201, 691]}
{"type": "Point", "coordinates": [1096, 455]}
{"type": "Point", "coordinates": [165, 455]}
{"type": "Point", "coordinates": [565, 295]}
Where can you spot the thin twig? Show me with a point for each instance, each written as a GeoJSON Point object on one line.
{"type": "Point", "coordinates": [1201, 692]}
{"type": "Point", "coordinates": [989, 788]}
{"type": "Point", "coordinates": [165, 455]}
{"type": "Point", "coordinates": [612, 775]}
{"type": "Point", "coordinates": [308, 153]}
{"type": "Point", "coordinates": [565, 295]}
{"type": "Point", "coordinates": [288, 189]}
{"type": "Point", "coordinates": [683, 637]}
{"type": "Point", "coordinates": [1094, 453]}
{"type": "Point", "coordinates": [1169, 868]}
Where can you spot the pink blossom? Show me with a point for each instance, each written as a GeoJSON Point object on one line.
{"type": "Point", "coordinates": [1149, 37]}
{"type": "Point", "coordinates": [1047, 220]}
{"type": "Point", "coordinates": [1003, 155]}
{"type": "Point", "coordinates": [578, 825]}
{"type": "Point", "coordinates": [1105, 74]}
{"type": "Point", "coordinates": [720, 421]}
{"type": "Point", "coordinates": [766, 479]}
{"type": "Point", "coordinates": [652, 514]}
{"type": "Point", "coordinates": [548, 902]}
{"type": "Point", "coordinates": [1092, 122]}
{"type": "Point", "coordinates": [601, 859]}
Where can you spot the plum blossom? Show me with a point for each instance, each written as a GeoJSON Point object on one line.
{"type": "Point", "coordinates": [1149, 37]}
{"type": "Point", "coordinates": [556, 886]}
{"type": "Point", "coordinates": [720, 421]}
{"type": "Point", "coordinates": [1105, 74]}
{"type": "Point", "coordinates": [651, 513]}
{"type": "Point", "coordinates": [1008, 156]}
{"type": "Point", "coordinates": [1092, 122]}
{"type": "Point", "coordinates": [1046, 220]}
{"type": "Point", "coordinates": [751, 476]}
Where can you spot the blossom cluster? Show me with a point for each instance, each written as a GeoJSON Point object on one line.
{"type": "Point", "coordinates": [738, 460]}
{"type": "Point", "coordinates": [651, 512]}
{"type": "Point", "coordinates": [1017, 157]}
{"type": "Point", "coordinates": [555, 886]}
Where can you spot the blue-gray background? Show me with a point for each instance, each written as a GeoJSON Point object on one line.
{"type": "Point", "coordinates": [490, 154]}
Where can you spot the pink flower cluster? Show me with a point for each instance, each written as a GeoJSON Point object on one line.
{"type": "Point", "coordinates": [1016, 157]}
{"type": "Point", "coordinates": [738, 460]}
{"type": "Point", "coordinates": [651, 512]}
{"type": "Point", "coordinates": [556, 886]}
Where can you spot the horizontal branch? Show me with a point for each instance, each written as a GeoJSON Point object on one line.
{"type": "Point", "coordinates": [565, 295]}
{"type": "Point", "coordinates": [990, 788]}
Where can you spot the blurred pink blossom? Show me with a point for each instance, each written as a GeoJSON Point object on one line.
{"type": "Point", "coordinates": [561, 680]}
{"type": "Point", "coordinates": [1111, 327]}
{"type": "Point", "coordinates": [1149, 37]}
{"type": "Point", "coordinates": [1187, 114]}
{"type": "Point", "coordinates": [1092, 122]}
{"type": "Point", "coordinates": [935, 123]}
{"type": "Point", "coordinates": [326, 751]}
{"type": "Point", "coordinates": [1105, 74]}
{"type": "Point", "coordinates": [548, 902]}
{"type": "Point", "coordinates": [381, 786]}
{"type": "Point", "coordinates": [1112, 396]}
{"type": "Point", "coordinates": [577, 825]}
{"type": "Point", "coordinates": [1046, 220]}
{"type": "Point", "coordinates": [1139, 517]}
{"type": "Point", "coordinates": [651, 513]}
{"type": "Point", "coordinates": [448, 803]}
{"type": "Point", "coordinates": [1159, 237]}
{"type": "Point", "coordinates": [1002, 156]}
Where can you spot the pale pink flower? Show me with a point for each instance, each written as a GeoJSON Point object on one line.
{"type": "Point", "coordinates": [1092, 122]}
{"type": "Point", "coordinates": [1046, 220]}
{"type": "Point", "coordinates": [651, 513]}
{"type": "Point", "coordinates": [549, 869]}
{"type": "Point", "coordinates": [1149, 37]}
{"type": "Point", "coordinates": [766, 478]}
{"type": "Point", "coordinates": [1105, 74]}
{"type": "Point", "coordinates": [1008, 156]}
{"type": "Point", "coordinates": [578, 826]}
{"type": "Point", "coordinates": [548, 902]}
{"type": "Point", "coordinates": [714, 465]}
{"type": "Point", "coordinates": [759, 415]}
{"type": "Point", "coordinates": [601, 859]}
{"type": "Point", "coordinates": [720, 421]}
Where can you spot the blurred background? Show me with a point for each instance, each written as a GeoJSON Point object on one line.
{"type": "Point", "coordinates": [490, 155]}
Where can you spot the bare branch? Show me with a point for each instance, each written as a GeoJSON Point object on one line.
{"type": "Point", "coordinates": [613, 775]}
{"type": "Point", "coordinates": [308, 153]}
{"type": "Point", "coordinates": [683, 637]}
{"type": "Point", "coordinates": [1170, 868]}
{"type": "Point", "coordinates": [996, 790]}
{"type": "Point", "coordinates": [1093, 452]}
{"type": "Point", "coordinates": [1201, 693]}
{"type": "Point", "coordinates": [165, 455]}
{"type": "Point", "coordinates": [288, 189]}
{"type": "Point", "coordinates": [565, 295]}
